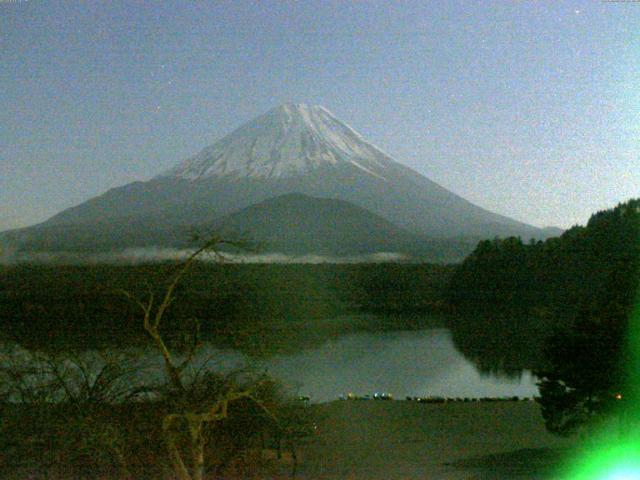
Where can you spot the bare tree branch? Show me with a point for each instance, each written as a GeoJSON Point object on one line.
{"type": "Point", "coordinates": [193, 420]}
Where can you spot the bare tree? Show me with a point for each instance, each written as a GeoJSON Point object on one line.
{"type": "Point", "coordinates": [188, 461]}
{"type": "Point", "coordinates": [58, 401]}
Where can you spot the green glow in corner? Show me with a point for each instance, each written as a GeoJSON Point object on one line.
{"type": "Point", "coordinates": [613, 460]}
{"type": "Point", "coordinates": [614, 453]}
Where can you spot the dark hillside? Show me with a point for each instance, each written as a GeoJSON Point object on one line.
{"type": "Point", "coordinates": [514, 294]}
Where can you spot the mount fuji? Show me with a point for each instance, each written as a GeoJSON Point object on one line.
{"type": "Point", "coordinates": [294, 148]}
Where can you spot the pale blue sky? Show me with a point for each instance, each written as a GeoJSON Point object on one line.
{"type": "Point", "coordinates": [527, 108]}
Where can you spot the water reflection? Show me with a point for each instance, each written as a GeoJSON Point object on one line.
{"type": "Point", "coordinates": [406, 363]}
{"type": "Point", "coordinates": [412, 363]}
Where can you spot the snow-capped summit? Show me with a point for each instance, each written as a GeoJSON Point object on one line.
{"type": "Point", "coordinates": [290, 140]}
{"type": "Point", "coordinates": [292, 149]}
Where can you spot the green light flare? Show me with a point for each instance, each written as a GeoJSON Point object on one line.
{"type": "Point", "coordinates": [614, 453]}
{"type": "Point", "coordinates": [633, 355]}
{"type": "Point", "coordinates": [610, 459]}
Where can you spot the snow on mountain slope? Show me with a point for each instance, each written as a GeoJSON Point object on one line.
{"type": "Point", "coordinates": [291, 149]}
{"type": "Point", "coordinates": [288, 141]}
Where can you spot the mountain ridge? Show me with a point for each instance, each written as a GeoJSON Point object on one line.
{"type": "Point", "coordinates": [299, 224]}
{"type": "Point", "coordinates": [290, 149]}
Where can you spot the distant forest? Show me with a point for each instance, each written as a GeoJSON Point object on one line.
{"type": "Point", "coordinates": [509, 297]}
{"type": "Point", "coordinates": [257, 308]}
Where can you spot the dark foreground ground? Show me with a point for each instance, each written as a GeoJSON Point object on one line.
{"type": "Point", "coordinates": [366, 440]}
{"type": "Point", "coordinates": [407, 440]}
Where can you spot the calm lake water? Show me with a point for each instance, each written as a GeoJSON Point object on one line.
{"type": "Point", "coordinates": [405, 363]}
{"type": "Point", "coordinates": [409, 363]}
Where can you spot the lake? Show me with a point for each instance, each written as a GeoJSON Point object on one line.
{"type": "Point", "coordinates": [407, 363]}
{"type": "Point", "coordinates": [403, 363]}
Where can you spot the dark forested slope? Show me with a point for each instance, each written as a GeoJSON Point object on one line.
{"type": "Point", "coordinates": [510, 295]}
